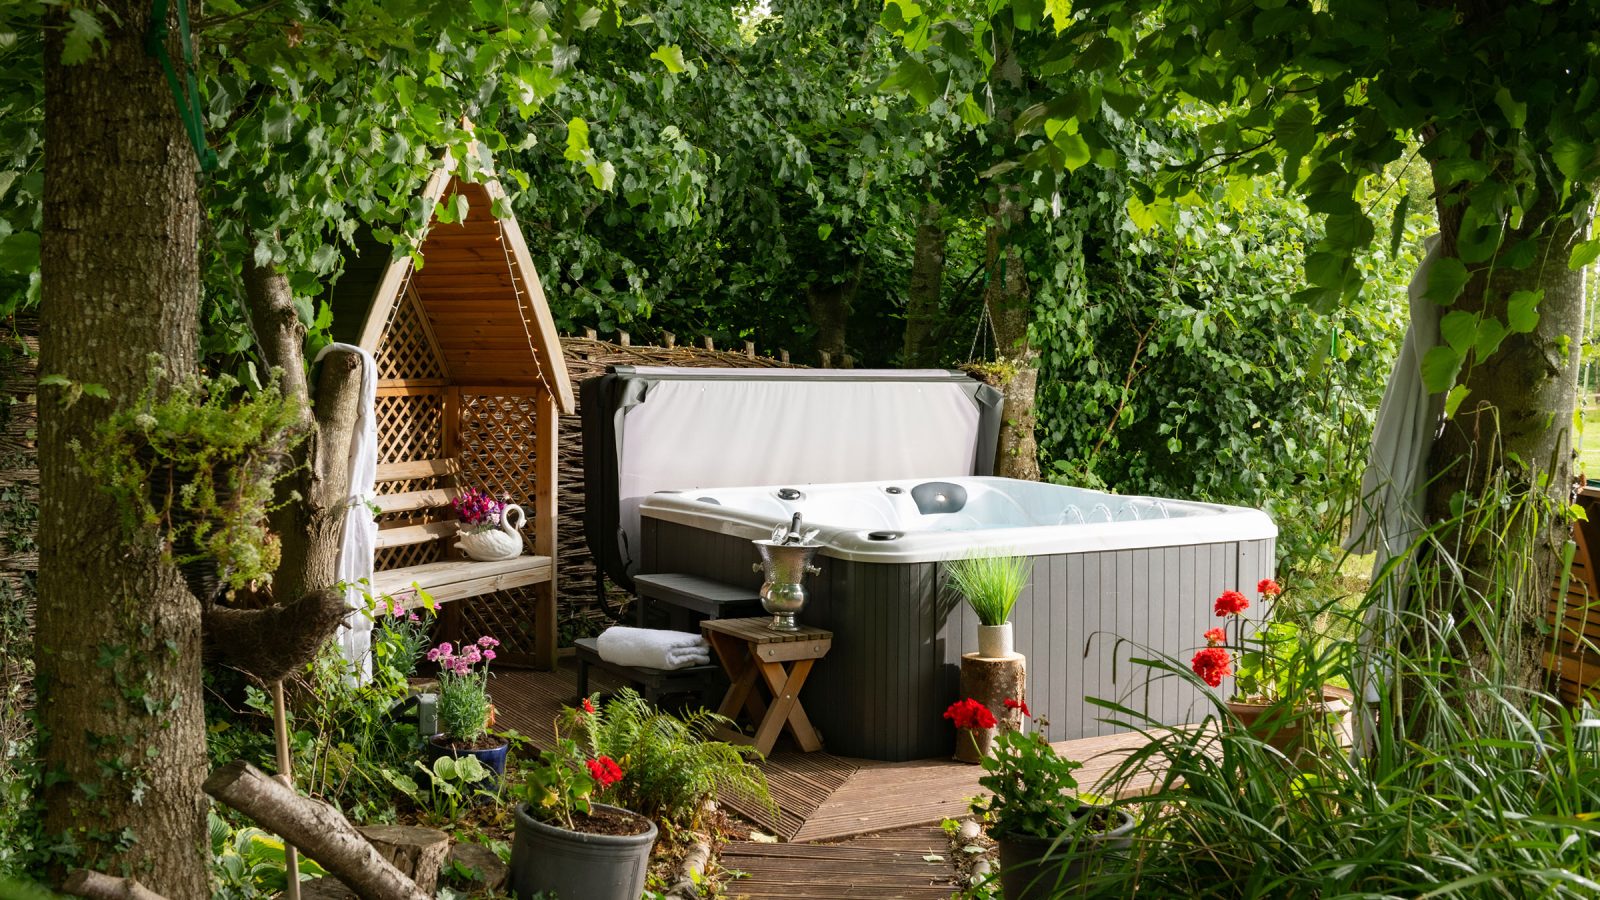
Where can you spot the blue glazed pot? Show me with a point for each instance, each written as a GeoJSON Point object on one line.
{"type": "Point", "coordinates": [494, 758]}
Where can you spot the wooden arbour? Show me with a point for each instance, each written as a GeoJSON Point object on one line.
{"type": "Point", "coordinates": [471, 385]}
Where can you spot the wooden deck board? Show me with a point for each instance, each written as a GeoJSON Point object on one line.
{"type": "Point", "coordinates": [873, 867]}
{"type": "Point", "coordinates": [822, 797]}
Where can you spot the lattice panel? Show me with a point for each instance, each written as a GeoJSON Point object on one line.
{"type": "Point", "coordinates": [406, 351]}
{"type": "Point", "coordinates": [506, 615]}
{"type": "Point", "coordinates": [409, 555]}
{"type": "Point", "coordinates": [497, 449]}
{"type": "Point", "coordinates": [410, 428]}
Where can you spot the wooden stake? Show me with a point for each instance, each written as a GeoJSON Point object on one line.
{"type": "Point", "coordinates": [669, 340]}
{"type": "Point", "coordinates": [280, 730]}
{"type": "Point", "coordinates": [624, 339]}
{"type": "Point", "coordinates": [591, 335]}
{"type": "Point", "coordinates": [709, 345]}
{"type": "Point", "coordinates": [750, 349]}
{"type": "Point", "coordinates": [783, 356]}
{"type": "Point", "coordinates": [827, 359]}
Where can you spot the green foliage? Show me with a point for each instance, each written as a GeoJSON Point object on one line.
{"type": "Point", "coordinates": [201, 464]}
{"type": "Point", "coordinates": [1032, 789]}
{"type": "Point", "coordinates": [249, 863]}
{"type": "Point", "coordinates": [463, 706]}
{"type": "Point", "coordinates": [21, 164]}
{"type": "Point", "coordinates": [452, 784]}
{"type": "Point", "coordinates": [559, 785]}
{"type": "Point", "coordinates": [1467, 784]}
{"type": "Point", "coordinates": [990, 584]}
{"type": "Point", "coordinates": [670, 766]}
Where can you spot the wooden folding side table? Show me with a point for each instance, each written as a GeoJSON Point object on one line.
{"type": "Point", "coordinates": [751, 652]}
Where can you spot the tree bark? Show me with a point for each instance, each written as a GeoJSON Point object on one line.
{"type": "Point", "coordinates": [1008, 298]}
{"type": "Point", "coordinates": [118, 641]}
{"type": "Point", "coordinates": [307, 610]}
{"type": "Point", "coordinates": [923, 293]}
{"type": "Point", "coordinates": [418, 853]}
{"type": "Point", "coordinates": [315, 827]}
{"type": "Point", "coordinates": [1512, 435]}
{"type": "Point", "coordinates": [828, 303]}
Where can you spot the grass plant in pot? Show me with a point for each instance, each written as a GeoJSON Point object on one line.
{"type": "Point", "coordinates": [1049, 837]}
{"type": "Point", "coordinates": [1279, 693]}
{"type": "Point", "coordinates": [990, 585]}
{"type": "Point", "coordinates": [465, 713]}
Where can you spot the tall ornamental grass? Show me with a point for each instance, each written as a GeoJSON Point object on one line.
{"type": "Point", "coordinates": [990, 584]}
{"type": "Point", "coordinates": [1467, 786]}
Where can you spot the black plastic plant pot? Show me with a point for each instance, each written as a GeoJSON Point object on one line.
{"type": "Point", "coordinates": [1038, 868]}
{"type": "Point", "coordinates": [573, 865]}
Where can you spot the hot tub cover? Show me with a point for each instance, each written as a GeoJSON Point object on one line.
{"type": "Point", "coordinates": [649, 429]}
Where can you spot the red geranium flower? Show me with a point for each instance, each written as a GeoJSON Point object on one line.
{"type": "Point", "coordinates": [587, 706]}
{"type": "Point", "coordinates": [1216, 637]}
{"type": "Point", "coordinates": [1231, 603]}
{"type": "Point", "coordinates": [605, 771]}
{"type": "Point", "coordinates": [1212, 665]}
{"type": "Point", "coordinates": [1018, 704]}
{"type": "Point", "coordinates": [1268, 588]}
{"type": "Point", "coordinates": [970, 714]}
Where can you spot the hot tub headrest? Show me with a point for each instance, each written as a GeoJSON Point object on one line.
{"type": "Point", "coordinates": [939, 497]}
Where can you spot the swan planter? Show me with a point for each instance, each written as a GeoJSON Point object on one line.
{"type": "Point", "coordinates": [488, 542]}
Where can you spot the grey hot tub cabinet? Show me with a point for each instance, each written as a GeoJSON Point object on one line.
{"type": "Point", "coordinates": [898, 636]}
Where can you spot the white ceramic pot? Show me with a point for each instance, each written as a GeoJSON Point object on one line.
{"type": "Point", "coordinates": [493, 544]}
{"type": "Point", "coordinates": [995, 641]}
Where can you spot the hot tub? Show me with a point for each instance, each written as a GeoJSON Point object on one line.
{"type": "Point", "coordinates": [1111, 575]}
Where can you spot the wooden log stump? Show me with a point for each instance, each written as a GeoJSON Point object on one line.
{"type": "Point", "coordinates": [417, 852]}
{"type": "Point", "coordinates": [991, 681]}
{"type": "Point", "coordinates": [487, 873]}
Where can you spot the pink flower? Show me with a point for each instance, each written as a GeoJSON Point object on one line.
{"type": "Point", "coordinates": [413, 617]}
{"type": "Point", "coordinates": [433, 655]}
{"type": "Point", "coordinates": [487, 642]}
{"type": "Point", "coordinates": [446, 649]}
{"type": "Point", "coordinates": [488, 655]}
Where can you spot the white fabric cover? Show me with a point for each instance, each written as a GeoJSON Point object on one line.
{"type": "Point", "coordinates": [359, 543]}
{"type": "Point", "coordinates": [652, 648]}
{"type": "Point", "coordinates": [791, 433]}
{"type": "Point", "coordinates": [1390, 515]}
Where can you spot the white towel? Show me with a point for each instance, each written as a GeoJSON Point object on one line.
{"type": "Point", "coordinates": [360, 537]}
{"type": "Point", "coordinates": [652, 648]}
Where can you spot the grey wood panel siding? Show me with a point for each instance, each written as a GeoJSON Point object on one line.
{"type": "Point", "coordinates": [898, 635]}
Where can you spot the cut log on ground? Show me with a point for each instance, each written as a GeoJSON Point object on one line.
{"type": "Point", "coordinates": [98, 886]}
{"type": "Point", "coordinates": [990, 681]}
{"type": "Point", "coordinates": [486, 872]}
{"type": "Point", "coordinates": [416, 852]}
{"type": "Point", "coordinates": [316, 828]}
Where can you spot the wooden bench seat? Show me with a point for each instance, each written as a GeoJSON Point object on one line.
{"type": "Point", "coordinates": [459, 579]}
{"type": "Point", "coordinates": [689, 598]}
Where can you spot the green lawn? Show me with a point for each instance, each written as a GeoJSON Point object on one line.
{"type": "Point", "coordinates": [1589, 446]}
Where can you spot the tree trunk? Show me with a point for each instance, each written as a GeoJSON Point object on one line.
{"type": "Point", "coordinates": [829, 305]}
{"type": "Point", "coordinates": [922, 295]}
{"type": "Point", "coordinates": [1512, 434]}
{"type": "Point", "coordinates": [1008, 299]}
{"type": "Point", "coordinates": [118, 641]}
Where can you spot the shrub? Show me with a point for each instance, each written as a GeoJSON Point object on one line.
{"type": "Point", "coordinates": [670, 766]}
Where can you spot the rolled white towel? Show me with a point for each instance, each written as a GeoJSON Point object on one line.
{"type": "Point", "coordinates": [652, 648]}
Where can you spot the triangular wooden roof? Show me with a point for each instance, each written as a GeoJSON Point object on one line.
{"type": "Point", "coordinates": [481, 294]}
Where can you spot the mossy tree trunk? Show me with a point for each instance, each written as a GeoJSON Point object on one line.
{"type": "Point", "coordinates": [1511, 436]}
{"type": "Point", "coordinates": [918, 349]}
{"type": "Point", "coordinates": [119, 633]}
{"type": "Point", "coordinates": [1009, 301]}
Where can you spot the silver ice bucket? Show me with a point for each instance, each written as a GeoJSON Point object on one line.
{"type": "Point", "coordinates": [784, 593]}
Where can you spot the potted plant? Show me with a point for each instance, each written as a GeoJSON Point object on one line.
{"type": "Point", "coordinates": [489, 528]}
{"type": "Point", "coordinates": [568, 845]}
{"type": "Point", "coordinates": [1277, 691]}
{"type": "Point", "coordinates": [991, 586]}
{"type": "Point", "coordinates": [199, 463]}
{"type": "Point", "coordinates": [465, 713]}
{"type": "Point", "coordinates": [1047, 835]}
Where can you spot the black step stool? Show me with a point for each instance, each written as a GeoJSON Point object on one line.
{"type": "Point", "coordinates": [690, 598]}
{"type": "Point", "coordinates": [707, 682]}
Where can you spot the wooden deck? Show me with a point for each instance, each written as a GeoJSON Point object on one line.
{"type": "Point", "coordinates": [822, 797]}
{"type": "Point", "coordinates": [910, 864]}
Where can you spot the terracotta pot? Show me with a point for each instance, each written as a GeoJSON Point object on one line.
{"type": "Point", "coordinates": [1284, 728]}
{"type": "Point", "coordinates": [1037, 868]}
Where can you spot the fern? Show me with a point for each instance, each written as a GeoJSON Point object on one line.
{"type": "Point", "coordinates": [670, 766]}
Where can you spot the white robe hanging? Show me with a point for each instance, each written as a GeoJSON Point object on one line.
{"type": "Point", "coordinates": [359, 542]}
